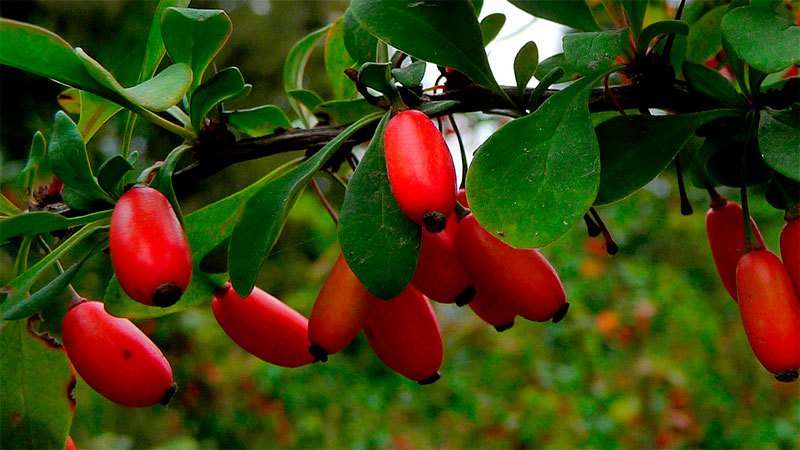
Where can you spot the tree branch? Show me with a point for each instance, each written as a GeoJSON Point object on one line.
{"type": "Point", "coordinates": [471, 99]}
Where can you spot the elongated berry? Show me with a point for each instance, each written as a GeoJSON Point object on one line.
{"type": "Point", "coordinates": [499, 314]}
{"type": "Point", "coordinates": [420, 169]}
{"type": "Point", "coordinates": [115, 358]}
{"type": "Point", "coordinates": [263, 326]}
{"type": "Point", "coordinates": [149, 251]}
{"type": "Point", "coordinates": [405, 335]}
{"type": "Point", "coordinates": [790, 251]}
{"type": "Point", "coordinates": [339, 312]}
{"type": "Point", "coordinates": [521, 277]}
{"type": "Point", "coordinates": [725, 230]}
{"type": "Point", "coordinates": [439, 274]}
{"type": "Point", "coordinates": [770, 312]}
{"type": "Point", "coordinates": [70, 444]}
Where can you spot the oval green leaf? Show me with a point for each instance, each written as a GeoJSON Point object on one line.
{"type": "Point", "coordinates": [593, 52]}
{"type": "Point", "coordinates": [573, 13]}
{"type": "Point", "coordinates": [380, 244]}
{"type": "Point", "coordinates": [764, 40]}
{"type": "Point", "coordinates": [779, 141]}
{"type": "Point", "coordinates": [226, 84]}
{"type": "Point", "coordinates": [259, 121]}
{"type": "Point", "coordinates": [337, 59]}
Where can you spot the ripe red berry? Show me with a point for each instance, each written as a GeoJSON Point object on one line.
{"type": "Point", "coordinates": [420, 169]}
{"type": "Point", "coordinates": [149, 251]}
{"type": "Point", "coordinates": [70, 444]}
{"type": "Point", "coordinates": [115, 358]}
{"type": "Point", "coordinates": [725, 230]}
{"type": "Point", "coordinates": [405, 335]}
{"type": "Point", "coordinates": [770, 312]}
{"type": "Point", "coordinates": [439, 274]}
{"type": "Point", "coordinates": [263, 326]}
{"type": "Point", "coordinates": [790, 251]}
{"type": "Point", "coordinates": [339, 312]}
{"type": "Point", "coordinates": [521, 277]}
{"type": "Point", "coordinates": [496, 313]}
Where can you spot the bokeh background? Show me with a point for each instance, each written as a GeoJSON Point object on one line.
{"type": "Point", "coordinates": [651, 354]}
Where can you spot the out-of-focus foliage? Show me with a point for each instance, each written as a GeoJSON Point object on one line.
{"type": "Point", "coordinates": [652, 353]}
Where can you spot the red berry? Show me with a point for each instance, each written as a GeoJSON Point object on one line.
{"type": "Point", "coordinates": [115, 358]}
{"type": "Point", "coordinates": [725, 230]}
{"type": "Point", "coordinates": [496, 313]}
{"type": "Point", "coordinates": [70, 445]}
{"type": "Point", "coordinates": [770, 312]}
{"type": "Point", "coordinates": [405, 335]}
{"type": "Point", "coordinates": [339, 312]}
{"type": "Point", "coordinates": [521, 277]}
{"type": "Point", "coordinates": [790, 251]}
{"type": "Point", "coordinates": [420, 169]}
{"type": "Point", "coordinates": [439, 274]}
{"type": "Point", "coordinates": [149, 251]}
{"type": "Point", "coordinates": [263, 326]}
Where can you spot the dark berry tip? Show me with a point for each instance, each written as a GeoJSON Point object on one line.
{"type": "Point", "coordinates": [430, 380]}
{"type": "Point", "coordinates": [167, 295]}
{"type": "Point", "coordinates": [787, 377]}
{"type": "Point", "coordinates": [434, 221]}
{"type": "Point", "coordinates": [560, 313]}
{"type": "Point", "coordinates": [465, 296]}
{"type": "Point", "coordinates": [319, 353]}
{"type": "Point", "coordinates": [504, 327]}
{"type": "Point", "coordinates": [173, 388]}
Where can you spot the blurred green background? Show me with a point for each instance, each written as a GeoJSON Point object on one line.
{"type": "Point", "coordinates": [651, 354]}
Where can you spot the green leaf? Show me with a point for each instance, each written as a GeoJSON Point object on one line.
{"type": "Point", "coordinates": [42, 297]}
{"type": "Point", "coordinates": [206, 229]}
{"type": "Point", "coordinates": [7, 208]}
{"type": "Point", "coordinates": [265, 213]}
{"type": "Point", "coordinates": [635, 11]}
{"type": "Point", "coordinates": [343, 112]}
{"type": "Point", "coordinates": [553, 62]}
{"type": "Point", "coordinates": [766, 41]}
{"type": "Point", "coordinates": [635, 149]}
{"type": "Point", "coordinates": [194, 37]}
{"type": "Point", "coordinates": [70, 163]}
{"type": "Point", "coordinates": [380, 244]}
{"type": "Point", "coordinates": [156, 94]}
{"type": "Point", "coordinates": [589, 53]}
{"type": "Point", "coordinates": [70, 100]}
{"type": "Point", "coordinates": [705, 39]}
{"type": "Point", "coordinates": [37, 408]}
{"type": "Point", "coordinates": [411, 75]}
{"type": "Point", "coordinates": [443, 33]}
{"type": "Point", "coordinates": [536, 177]}
{"type": "Point", "coordinates": [525, 64]}
{"type": "Point", "coordinates": [491, 26]}
{"type": "Point", "coordinates": [295, 65]}
{"type": "Point", "coordinates": [709, 82]}
{"type": "Point", "coordinates": [306, 97]}
{"type": "Point", "coordinates": [40, 222]}
{"type": "Point", "coordinates": [653, 30]}
{"type": "Point", "coordinates": [337, 59]}
{"type": "Point", "coordinates": [226, 84]}
{"type": "Point", "coordinates": [37, 155]}
{"type": "Point", "coordinates": [438, 108]}
{"type": "Point", "coordinates": [259, 121]}
{"type": "Point", "coordinates": [575, 13]}
{"type": "Point", "coordinates": [154, 51]}
{"type": "Point", "coordinates": [163, 179]}
{"type": "Point", "coordinates": [94, 113]}
{"type": "Point", "coordinates": [39, 51]}
{"type": "Point", "coordinates": [19, 287]}
{"type": "Point", "coordinates": [111, 173]}
{"type": "Point", "coordinates": [359, 43]}
{"type": "Point", "coordinates": [378, 76]}
{"type": "Point", "coordinates": [779, 140]}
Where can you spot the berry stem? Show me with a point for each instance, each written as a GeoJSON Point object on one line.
{"type": "Point", "coordinates": [324, 200]}
{"type": "Point", "coordinates": [686, 205]}
{"type": "Point", "coordinates": [671, 38]}
{"type": "Point", "coordinates": [611, 247]}
{"type": "Point", "coordinates": [592, 229]}
{"type": "Point", "coordinates": [461, 149]}
{"type": "Point", "coordinates": [717, 200]}
{"type": "Point", "coordinates": [750, 242]}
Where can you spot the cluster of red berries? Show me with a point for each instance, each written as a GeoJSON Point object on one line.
{"type": "Point", "coordinates": [766, 290]}
{"type": "Point", "coordinates": [459, 262]}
